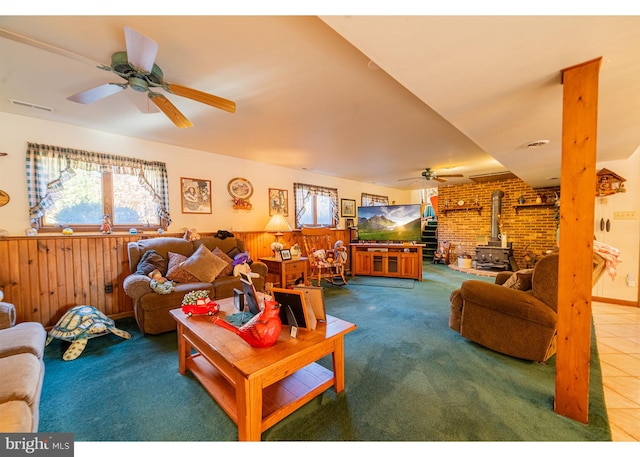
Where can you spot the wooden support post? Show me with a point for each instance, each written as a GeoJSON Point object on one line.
{"type": "Point", "coordinates": [579, 129]}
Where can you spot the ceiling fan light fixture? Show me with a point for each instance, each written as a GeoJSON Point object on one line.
{"type": "Point", "coordinates": [138, 84]}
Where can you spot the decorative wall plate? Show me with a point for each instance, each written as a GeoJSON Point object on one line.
{"type": "Point", "coordinates": [240, 188]}
{"type": "Point", "coordinates": [460, 202]}
{"type": "Point", "coordinates": [4, 198]}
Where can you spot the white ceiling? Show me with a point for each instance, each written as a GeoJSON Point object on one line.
{"type": "Point", "coordinates": [368, 98]}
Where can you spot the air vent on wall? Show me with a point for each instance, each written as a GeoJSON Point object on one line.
{"type": "Point", "coordinates": [489, 177]}
{"type": "Point", "coordinates": [31, 105]}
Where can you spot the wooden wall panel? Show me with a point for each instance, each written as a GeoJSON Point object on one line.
{"type": "Point", "coordinates": [44, 276]}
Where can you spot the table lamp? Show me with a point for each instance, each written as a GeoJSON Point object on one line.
{"type": "Point", "coordinates": [277, 225]}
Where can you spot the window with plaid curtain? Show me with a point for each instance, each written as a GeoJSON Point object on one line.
{"type": "Point", "coordinates": [49, 167]}
{"type": "Point", "coordinates": [374, 200]}
{"type": "Point", "coordinates": [315, 205]}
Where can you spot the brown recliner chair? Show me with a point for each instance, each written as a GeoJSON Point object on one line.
{"type": "Point", "coordinates": [512, 321]}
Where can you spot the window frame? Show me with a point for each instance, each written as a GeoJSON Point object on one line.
{"type": "Point", "coordinates": [302, 192]}
{"type": "Point", "coordinates": [48, 167]}
{"type": "Point", "coordinates": [374, 200]}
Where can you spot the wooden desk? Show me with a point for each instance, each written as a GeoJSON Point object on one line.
{"type": "Point", "coordinates": [283, 272]}
{"type": "Point", "coordinates": [258, 387]}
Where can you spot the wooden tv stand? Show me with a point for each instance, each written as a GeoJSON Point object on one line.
{"type": "Point", "coordinates": [394, 260]}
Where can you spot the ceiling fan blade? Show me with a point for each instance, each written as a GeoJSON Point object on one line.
{"type": "Point", "coordinates": [202, 97]}
{"type": "Point", "coordinates": [170, 110]}
{"type": "Point", "coordinates": [410, 179]}
{"type": "Point", "coordinates": [451, 176]}
{"type": "Point", "coordinates": [141, 50]}
{"type": "Point", "coordinates": [439, 179]}
{"type": "Point", "coordinates": [97, 93]}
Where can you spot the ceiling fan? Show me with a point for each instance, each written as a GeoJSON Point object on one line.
{"type": "Point", "coordinates": [431, 175]}
{"type": "Point", "coordinates": [137, 67]}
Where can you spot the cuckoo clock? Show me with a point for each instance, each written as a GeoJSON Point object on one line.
{"type": "Point", "coordinates": [608, 183]}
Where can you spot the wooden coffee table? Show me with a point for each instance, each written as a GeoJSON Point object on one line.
{"type": "Point", "coordinates": [258, 387]}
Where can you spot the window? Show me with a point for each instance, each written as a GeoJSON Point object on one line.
{"type": "Point", "coordinates": [315, 205]}
{"type": "Point", "coordinates": [374, 200]}
{"type": "Point", "coordinates": [76, 189]}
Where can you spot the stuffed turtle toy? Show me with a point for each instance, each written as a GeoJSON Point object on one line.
{"type": "Point", "coordinates": [78, 325]}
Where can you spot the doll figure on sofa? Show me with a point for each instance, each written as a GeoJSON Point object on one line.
{"type": "Point", "coordinates": [160, 284]}
{"type": "Point", "coordinates": [242, 263]}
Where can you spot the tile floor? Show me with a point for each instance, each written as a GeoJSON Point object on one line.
{"type": "Point", "coordinates": [618, 335]}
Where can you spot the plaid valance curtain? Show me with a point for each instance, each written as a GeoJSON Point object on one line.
{"type": "Point", "coordinates": [303, 194]}
{"type": "Point", "coordinates": [374, 200]}
{"type": "Point", "coordinates": [49, 167]}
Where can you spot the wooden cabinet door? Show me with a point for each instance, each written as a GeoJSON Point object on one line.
{"type": "Point", "coordinates": [410, 268]}
{"type": "Point", "coordinates": [393, 266]}
{"type": "Point", "coordinates": [361, 263]}
{"type": "Point", "coordinates": [378, 264]}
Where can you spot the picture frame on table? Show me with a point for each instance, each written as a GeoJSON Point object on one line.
{"type": "Point", "coordinates": [294, 310]}
{"type": "Point", "coordinates": [285, 254]}
{"type": "Point", "coordinates": [278, 202]}
{"type": "Point", "coordinates": [196, 195]}
{"type": "Point", "coordinates": [347, 207]}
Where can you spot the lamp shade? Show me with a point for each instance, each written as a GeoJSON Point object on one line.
{"type": "Point", "coordinates": [278, 224]}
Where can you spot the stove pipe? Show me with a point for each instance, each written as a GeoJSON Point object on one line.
{"type": "Point", "coordinates": [496, 211]}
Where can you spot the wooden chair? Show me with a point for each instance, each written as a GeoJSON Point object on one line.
{"type": "Point", "coordinates": [326, 261]}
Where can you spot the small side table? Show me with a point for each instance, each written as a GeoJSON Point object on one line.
{"type": "Point", "coordinates": [283, 272]}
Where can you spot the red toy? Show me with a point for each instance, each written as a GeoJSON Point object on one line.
{"type": "Point", "coordinates": [262, 330]}
{"type": "Point", "coordinates": [201, 306]}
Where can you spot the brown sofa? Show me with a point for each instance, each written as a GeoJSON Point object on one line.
{"type": "Point", "coordinates": [152, 308]}
{"type": "Point", "coordinates": [518, 320]}
{"type": "Point", "coordinates": [21, 372]}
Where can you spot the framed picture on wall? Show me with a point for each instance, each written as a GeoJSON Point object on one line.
{"type": "Point", "coordinates": [347, 207]}
{"type": "Point", "coordinates": [349, 223]}
{"type": "Point", "coordinates": [196, 195]}
{"type": "Point", "coordinates": [278, 202]}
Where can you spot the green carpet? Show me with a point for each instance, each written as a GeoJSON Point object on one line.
{"type": "Point", "coordinates": [408, 378]}
{"type": "Point", "coordinates": [398, 283]}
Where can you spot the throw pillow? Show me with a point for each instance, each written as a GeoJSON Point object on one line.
{"type": "Point", "coordinates": [520, 280]}
{"type": "Point", "coordinates": [150, 261]}
{"type": "Point", "coordinates": [234, 252]}
{"type": "Point", "coordinates": [204, 264]}
{"type": "Point", "coordinates": [175, 272]}
{"type": "Point", "coordinates": [228, 270]}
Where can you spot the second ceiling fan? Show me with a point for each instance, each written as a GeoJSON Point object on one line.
{"type": "Point", "coordinates": [431, 175]}
{"type": "Point", "coordinates": [137, 67]}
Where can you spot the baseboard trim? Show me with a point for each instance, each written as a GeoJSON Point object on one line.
{"type": "Point", "coordinates": [615, 301]}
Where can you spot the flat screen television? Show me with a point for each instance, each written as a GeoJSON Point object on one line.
{"type": "Point", "coordinates": [389, 223]}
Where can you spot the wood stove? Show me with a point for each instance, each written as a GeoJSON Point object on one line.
{"type": "Point", "coordinates": [493, 256]}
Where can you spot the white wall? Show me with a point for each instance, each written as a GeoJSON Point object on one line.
{"type": "Point", "coordinates": [624, 233]}
{"type": "Point", "coordinates": [17, 131]}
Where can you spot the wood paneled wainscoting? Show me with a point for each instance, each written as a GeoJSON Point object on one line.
{"type": "Point", "coordinates": [45, 275]}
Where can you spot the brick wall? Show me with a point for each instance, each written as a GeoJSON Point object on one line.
{"type": "Point", "coordinates": [529, 228]}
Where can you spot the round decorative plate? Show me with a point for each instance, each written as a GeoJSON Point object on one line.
{"type": "Point", "coordinates": [240, 188]}
{"type": "Point", "coordinates": [4, 198]}
{"type": "Point", "coordinates": [460, 202]}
